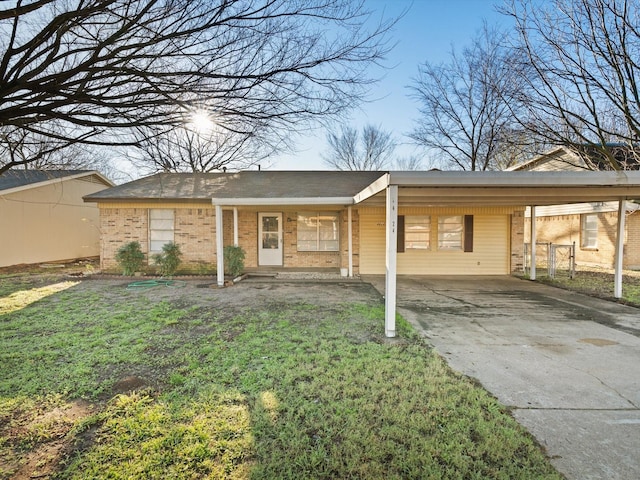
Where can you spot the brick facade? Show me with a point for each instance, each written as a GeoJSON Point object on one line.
{"type": "Point", "coordinates": [195, 234]}
{"type": "Point", "coordinates": [566, 229]}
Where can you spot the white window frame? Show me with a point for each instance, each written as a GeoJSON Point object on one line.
{"type": "Point", "coordinates": [415, 228]}
{"type": "Point", "coordinates": [323, 239]}
{"type": "Point", "coordinates": [161, 228]}
{"type": "Point", "coordinates": [589, 230]}
{"type": "Point", "coordinates": [451, 233]}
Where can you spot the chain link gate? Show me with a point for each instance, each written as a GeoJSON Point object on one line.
{"type": "Point", "coordinates": [554, 259]}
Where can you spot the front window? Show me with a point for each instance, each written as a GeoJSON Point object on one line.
{"type": "Point", "coordinates": [161, 228]}
{"type": "Point", "coordinates": [417, 230]}
{"type": "Point", "coordinates": [589, 234]}
{"type": "Point", "coordinates": [318, 232]}
{"type": "Point", "coordinates": [450, 232]}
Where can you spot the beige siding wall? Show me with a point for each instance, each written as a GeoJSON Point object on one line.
{"type": "Point", "coordinates": [49, 223]}
{"type": "Point", "coordinates": [491, 253]}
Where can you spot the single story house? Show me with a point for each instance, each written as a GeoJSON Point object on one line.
{"type": "Point", "coordinates": [422, 223]}
{"type": "Point", "coordinates": [43, 217]}
{"type": "Point", "coordinates": [590, 226]}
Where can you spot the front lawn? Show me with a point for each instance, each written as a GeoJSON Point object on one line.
{"type": "Point", "coordinates": [98, 381]}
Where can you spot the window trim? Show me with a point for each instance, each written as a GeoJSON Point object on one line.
{"type": "Point", "coordinates": [441, 231]}
{"type": "Point", "coordinates": [318, 239]}
{"type": "Point", "coordinates": [151, 229]}
{"type": "Point", "coordinates": [584, 230]}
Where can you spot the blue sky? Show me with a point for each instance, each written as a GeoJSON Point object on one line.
{"type": "Point", "coordinates": [426, 33]}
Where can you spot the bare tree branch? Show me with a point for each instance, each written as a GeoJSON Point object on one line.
{"type": "Point", "coordinates": [581, 76]}
{"type": "Point", "coordinates": [90, 71]}
{"type": "Point", "coordinates": [370, 149]}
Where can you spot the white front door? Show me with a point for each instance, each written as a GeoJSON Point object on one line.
{"type": "Point", "coordinates": [270, 239]}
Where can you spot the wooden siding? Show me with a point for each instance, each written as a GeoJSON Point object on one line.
{"type": "Point", "coordinates": [490, 254]}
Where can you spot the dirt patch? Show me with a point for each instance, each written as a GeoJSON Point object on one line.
{"type": "Point", "coordinates": [45, 436]}
{"type": "Point", "coordinates": [598, 342]}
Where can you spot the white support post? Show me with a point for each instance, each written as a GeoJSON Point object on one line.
{"type": "Point", "coordinates": [235, 226]}
{"type": "Point", "coordinates": [619, 255]}
{"type": "Point", "coordinates": [219, 246]}
{"type": "Point", "coordinates": [532, 269]}
{"type": "Point", "coordinates": [350, 241]}
{"type": "Point", "coordinates": [391, 261]}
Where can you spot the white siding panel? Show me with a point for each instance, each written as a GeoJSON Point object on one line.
{"type": "Point", "coordinates": [490, 254]}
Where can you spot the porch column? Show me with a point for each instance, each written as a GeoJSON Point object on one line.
{"type": "Point", "coordinates": [391, 261]}
{"type": "Point", "coordinates": [619, 256]}
{"type": "Point", "coordinates": [350, 241]}
{"type": "Point", "coordinates": [235, 226]}
{"type": "Point", "coordinates": [533, 243]}
{"type": "Point", "coordinates": [219, 247]}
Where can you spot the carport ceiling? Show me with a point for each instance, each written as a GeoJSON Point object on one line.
{"type": "Point", "coordinates": [504, 188]}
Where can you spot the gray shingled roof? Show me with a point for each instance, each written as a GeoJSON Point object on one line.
{"type": "Point", "coordinates": [249, 184]}
{"type": "Point", "coordinates": [20, 178]}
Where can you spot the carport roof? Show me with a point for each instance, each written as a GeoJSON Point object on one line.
{"type": "Point", "coordinates": [503, 188]}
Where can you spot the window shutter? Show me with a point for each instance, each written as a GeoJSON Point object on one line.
{"type": "Point", "coordinates": [468, 233]}
{"type": "Point", "coordinates": [400, 230]}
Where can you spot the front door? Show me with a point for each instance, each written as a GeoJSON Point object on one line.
{"type": "Point", "coordinates": [270, 239]}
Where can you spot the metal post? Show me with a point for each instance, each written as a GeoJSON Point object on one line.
{"type": "Point", "coordinates": [619, 255]}
{"type": "Point", "coordinates": [532, 274]}
{"type": "Point", "coordinates": [219, 247]}
{"type": "Point", "coordinates": [350, 241]}
{"type": "Point", "coordinates": [391, 261]}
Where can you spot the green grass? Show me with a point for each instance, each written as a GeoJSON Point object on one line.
{"type": "Point", "coordinates": [287, 391]}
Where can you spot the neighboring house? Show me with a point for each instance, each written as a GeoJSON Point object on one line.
{"type": "Point", "coordinates": [591, 226]}
{"type": "Point", "coordinates": [43, 217]}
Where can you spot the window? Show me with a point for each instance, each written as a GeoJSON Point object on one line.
{"type": "Point", "coordinates": [417, 230]}
{"type": "Point", "coordinates": [589, 227]}
{"type": "Point", "coordinates": [318, 232]}
{"type": "Point", "coordinates": [160, 229]}
{"type": "Point", "coordinates": [450, 232]}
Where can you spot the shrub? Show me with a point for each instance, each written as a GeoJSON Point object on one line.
{"type": "Point", "coordinates": [169, 260]}
{"type": "Point", "coordinates": [130, 258]}
{"type": "Point", "coordinates": [233, 260]}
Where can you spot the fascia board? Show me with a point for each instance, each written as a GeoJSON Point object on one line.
{"type": "Point", "coordinates": [231, 202]}
{"type": "Point", "coordinates": [376, 187]}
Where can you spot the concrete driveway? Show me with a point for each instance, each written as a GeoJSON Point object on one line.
{"type": "Point", "coordinates": [567, 365]}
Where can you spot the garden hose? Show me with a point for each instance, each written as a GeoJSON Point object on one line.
{"type": "Point", "coordinates": [143, 284]}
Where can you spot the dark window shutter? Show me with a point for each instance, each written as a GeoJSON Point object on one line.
{"type": "Point", "coordinates": [468, 233]}
{"type": "Point", "coordinates": [400, 246]}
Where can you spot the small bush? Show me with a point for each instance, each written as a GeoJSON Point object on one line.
{"type": "Point", "coordinates": [169, 260]}
{"type": "Point", "coordinates": [233, 260]}
{"type": "Point", "coordinates": [130, 258]}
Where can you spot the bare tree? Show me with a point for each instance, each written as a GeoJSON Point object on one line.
{"type": "Point", "coordinates": [466, 105]}
{"type": "Point", "coordinates": [88, 71]}
{"type": "Point", "coordinates": [369, 149]}
{"type": "Point", "coordinates": [183, 149]}
{"type": "Point", "coordinates": [408, 163]}
{"type": "Point", "coordinates": [582, 75]}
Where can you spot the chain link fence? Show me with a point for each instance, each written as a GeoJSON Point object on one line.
{"type": "Point", "coordinates": [552, 259]}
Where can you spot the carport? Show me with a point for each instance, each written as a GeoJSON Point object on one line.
{"type": "Point", "coordinates": [435, 188]}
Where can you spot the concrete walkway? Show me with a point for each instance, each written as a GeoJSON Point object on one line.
{"type": "Point", "coordinates": [567, 365]}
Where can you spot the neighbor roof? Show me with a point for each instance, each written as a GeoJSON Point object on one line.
{"type": "Point", "coordinates": [20, 179]}
{"type": "Point", "coordinates": [249, 187]}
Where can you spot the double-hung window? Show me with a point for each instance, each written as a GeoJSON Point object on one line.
{"type": "Point", "coordinates": [417, 230]}
{"type": "Point", "coordinates": [161, 229]}
{"type": "Point", "coordinates": [589, 230]}
{"type": "Point", "coordinates": [450, 232]}
{"type": "Point", "coordinates": [318, 232]}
